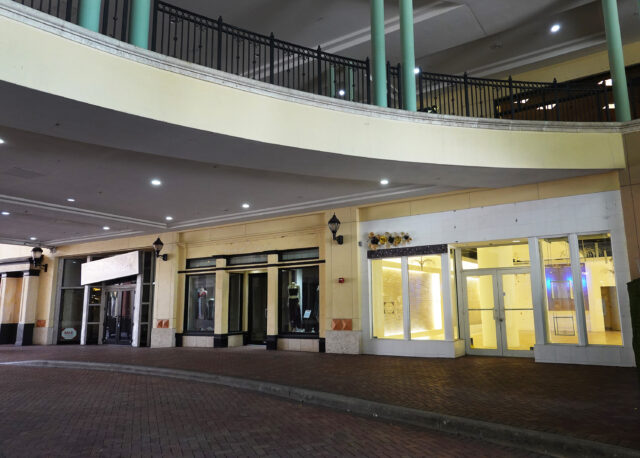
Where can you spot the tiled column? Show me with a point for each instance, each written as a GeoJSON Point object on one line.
{"type": "Point", "coordinates": [9, 307]}
{"type": "Point", "coordinates": [28, 302]}
{"type": "Point", "coordinates": [378, 59]}
{"type": "Point", "coordinates": [139, 23]}
{"type": "Point", "coordinates": [89, 14]}
{"type": "Point", "coordinates": [221, 323]}
{"type": "Point", "coordinates": [272, 303]}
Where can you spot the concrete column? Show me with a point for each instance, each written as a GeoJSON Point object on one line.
{"type": "Point", "coordinates": [447, 320]}
{"type": "Point", "coordinates": [378, 55]}
{"type": "Point", "coordinates": [9, 307]}
{"type": "Point", "coordinates": [408, 55]}
{"type": "Point", "coordinates": [89, 14]}
{"type": "Point", "coordinates": [272, 303]}
{"type": "Point", "coordinates": [616, 60]}
{"type": "Point", "coordinates": [28, 303]}
{"type": "Point", "coordinates": [537, 290]}
{"type": "Point", "coordinates": [221, 323]}
{"type": "Point", "coordinates": [139, 23]}
{"type": "Point", "coordinates": [85, 314]}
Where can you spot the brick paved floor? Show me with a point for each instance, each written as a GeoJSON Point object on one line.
{"type": "Point", "coordinates": [61, 412]}
{"type": "Point", "coordinates": [590, 402]}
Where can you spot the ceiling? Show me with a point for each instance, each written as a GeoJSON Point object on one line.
{"type": "Point", "coordinates": [482, 37]}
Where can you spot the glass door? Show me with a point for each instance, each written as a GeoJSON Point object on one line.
{"type": "Point", "coordinates": [258, 308]}
{"type": "Point", "coordinates": [499, 312]}
{"type": "Point", "coordinates": [118, 321]}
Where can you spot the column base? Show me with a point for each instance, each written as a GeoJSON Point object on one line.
{"type": "Point", "coordinates": [8, 333]}
{"type": "Point", "coordinates": [24, 336]}
{"type": "Point", "coordinates": [220, 340]}
{"type": "Point", "coordinates": [272, 342]}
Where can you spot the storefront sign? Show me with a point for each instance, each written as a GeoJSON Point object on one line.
{"type": "Point", "coordinates": [69, 333]}
{"type": "Point", "coordinates": [119, 266]}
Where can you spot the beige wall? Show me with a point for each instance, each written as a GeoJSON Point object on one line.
{"type": "Point", "coordinates": [630, 194]}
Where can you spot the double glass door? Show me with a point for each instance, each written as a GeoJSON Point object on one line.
{"type": "Point", "coordinates": [118, 317]}
{"type": "Point", "coordinates": [499, 312]}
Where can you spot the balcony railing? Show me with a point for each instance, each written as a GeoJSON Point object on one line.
{"type": "Point", "coordinates": [215, 44]}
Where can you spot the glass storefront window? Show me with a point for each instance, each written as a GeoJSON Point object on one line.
{"type": "Point", "coordinates": [200, 303]}
{"type": "Point", "coordinates": [560, 306]}
{"type": "Point", "coordinates": [425, 297]}
{"type": "Point", "coordinates": [491, 257]}
{"type": "Point", "coordinates": [70, 315]}
{"type": "Point", "coordinates": [386, 298]}
{"type": "Point", "coordinates": [299, 300]}
{"type": "Point", "coordinates": [71, 272]}
{"type": "Point", "coordinates": [602, 313]}
{"type": "Point", "coordinates": [235, 302]}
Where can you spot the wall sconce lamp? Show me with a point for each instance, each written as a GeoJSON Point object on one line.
{"type": "Point", "coordinates": [157, 247]}
{"type": "Point", "coordinates": [334, 225]}
{"type": "Point", "coordinates": [36, 258]}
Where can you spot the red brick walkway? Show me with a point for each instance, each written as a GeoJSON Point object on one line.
{"type": "Point", "coordinates": [589, 402]}
{"type": "Point", "coordinates": [60, 412]}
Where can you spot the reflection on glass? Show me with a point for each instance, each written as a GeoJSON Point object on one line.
{"type": "Point", "coordinates": [95, 295]}
{"type": "Point", "coordinates": [425, 298]}
{"type": "Point", "coordinates": [516, 255]}
{"type": "Point", "coordinates": [481, 308]}
{"type": "Point", "coordinates": [299, 300]}
{"type": "Point", "coordinates": [70, 315]}
{"type": "Point", "coordinates": [559, 298]}
{"type": "Point", "coordinates": [518, 311]}
{"type": "Point", "coordinates": [201, 303]}
{"type": "Point", "coordinates": [386, 298]}
{"type": "Point", "coordinates": [71, 272]}
{"type": "Point", "coordinates": [602, 313]}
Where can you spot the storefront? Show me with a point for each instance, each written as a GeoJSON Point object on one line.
{"type": "Point", "coordinates": [534, 279]}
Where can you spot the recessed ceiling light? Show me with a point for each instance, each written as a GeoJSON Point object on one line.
{"type": "Point", "coordinates": [156, 182]}
{"type": "Point", "coordinates": [416, 70]}
{"type": "Point", "coordinates": [33, 238]}
{"type": "Point", "coordinates": [169, 218]}
{"type": "Point", "coordinates": [516, 241]}
{"type": "Point", "coordinates": [1, 141]}
{"type": "Point", "coordinates": [5, 213]}
{"type": "Point", "coordinates": [341, 92]}
{"type": "Point", "coordinates": [384, 182]}
{"type": "Point", "coordinates": [245, 205]}
{"type": "Point", "coordinates": [70, 199]}
{"type": "Point", "coordinates": [555, 28]}
{"type": "Point", "coordinates": [105, 228]}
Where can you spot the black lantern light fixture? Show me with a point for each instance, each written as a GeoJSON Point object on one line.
{"type": "Point", "coordinates": [36, 258]}
{"type": "Point", "coordinates": [157, 247]}
{"type": "Point", "coordinates": [334, 225]}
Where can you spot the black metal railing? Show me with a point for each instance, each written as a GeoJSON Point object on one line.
{"type": "Point", "coordinates": [213, 43]}
{"type": "Point", "coordinates": [63, 9]}
{"type": "Point", "coordinates": [216, 44]}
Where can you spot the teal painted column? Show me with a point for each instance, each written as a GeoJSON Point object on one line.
{"type": "Point", "coordinates": [89, 14]}
{"type": "Point", "coordinates": [378, 59]}
{"type": "Point", "coordinates": [139, 23]}
{"type": "Point", "coordinates": [408, 55]}
{"type": "Point", "coordinates": [616, 60]}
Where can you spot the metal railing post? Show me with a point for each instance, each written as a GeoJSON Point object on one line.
{"type": "Point", "coordinates": [154, 24]}
{"type": "Point", "coordinates": [420, 89]}
{"type": "Point", "coordinates": [219, 59]}
{"type": "Point", "coordinates": [272, 58]}
{"type": "Point", "coordinates": [399, 66]}
{"type": "Point", "coordinates": [319, 58]}
{"type": "Point", "coordinates": [556, 99]}
{"type": "Point", "coordinates": [67, 14]}
{"type": "Point", "coordinates": [368, 76]}
{"type": "Point", "coordinates": [511, 101]}
{"type": "Point", "coordinates": [466, 94]}
{"type": "Point", "coordinates": [389, 84]}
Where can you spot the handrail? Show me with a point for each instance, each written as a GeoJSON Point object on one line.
{"type": "Point", "coordinates": [191, 37]}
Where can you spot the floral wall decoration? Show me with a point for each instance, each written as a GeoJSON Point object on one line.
{"type": "Point", "coordinates": [388, 240]}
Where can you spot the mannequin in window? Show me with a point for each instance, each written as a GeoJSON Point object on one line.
{"type": "Point", "coordinates": [294, 306]}
{"type": "Point", "coordinates": [202, 303]}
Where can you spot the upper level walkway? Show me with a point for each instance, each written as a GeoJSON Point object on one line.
{"type": "Point", "coordinates": [158, 104]}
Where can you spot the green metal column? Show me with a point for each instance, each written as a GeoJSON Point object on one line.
{"type": "Point", "coordinates": [616, 60]}
{"type": "Point", "coordinates": [408, 55]}
{"type": "Point", "coordinates": [89, 14]}
{"type": "Point", "coordinates": [378, 59]}
{"type": "Point", "coordinates": [139, 23]}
